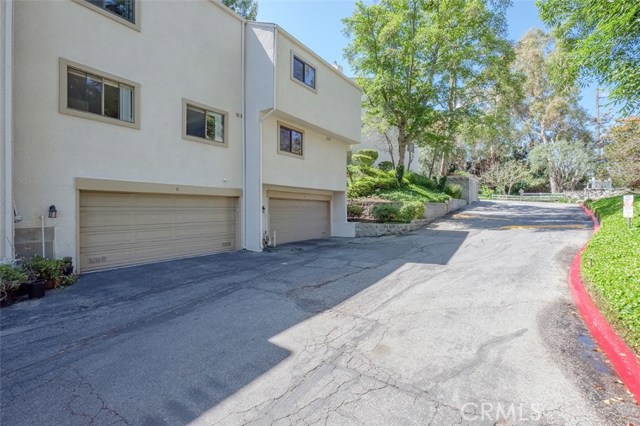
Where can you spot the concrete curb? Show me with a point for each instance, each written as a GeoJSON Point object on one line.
{"type": "Point", "coordinates": [622, 358]}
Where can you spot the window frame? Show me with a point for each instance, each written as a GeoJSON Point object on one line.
{"type": "Point", "coordinates": [294, 57]}
{"type": "Point", "coordinates": [136, 13]}
{"type": "Point", "coordinates": [290, 128]}
{"type": "Point", "coordinates": [225, 130]}
{"type": "Point", "coordinates": [63, 108]}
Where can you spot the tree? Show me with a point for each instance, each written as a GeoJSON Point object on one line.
{"type": "Point", "coordinates": [623, 152]}
{"type": "Point", "coordinates": [504, 176]}
{"type": "Point", "coordinates": [248, 9]}
{"type": "Point", "coordinates": [423, 65]}
{"type": "Point", "coordinates": [565, 162]}
{"type": "Point", "coordinates": [602, 41]}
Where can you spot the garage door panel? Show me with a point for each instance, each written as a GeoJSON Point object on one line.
{"type": "Point", "coordinates": [118, 229]}
{"type": "Point", "coordinates": [299, 220]}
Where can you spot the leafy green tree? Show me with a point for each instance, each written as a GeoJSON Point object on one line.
{"type": "Point", "coordinates": [602, 41]}
{"type": "Point", "coordinates": [565, 162]}
{"type": "Point", "coordinates": [623, 152]}
{"type": "Point", "coordinates": [425, 66]}
{"type": "Point", "coordinates": [248, 9]}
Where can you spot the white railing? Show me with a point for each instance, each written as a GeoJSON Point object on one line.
{"type": "Point", "coordinates": [530, 196]}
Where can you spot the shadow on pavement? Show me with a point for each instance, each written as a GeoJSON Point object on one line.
{"type": "Point", "coordinates": [162, 344]}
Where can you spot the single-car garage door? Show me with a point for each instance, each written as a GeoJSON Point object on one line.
{"type": "Point", "coordinates": [298, 219]}
{"type": "Point", "coordinates": [119, 229]}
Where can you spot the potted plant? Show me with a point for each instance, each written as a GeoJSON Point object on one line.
{"type": "Point", "coordinates": [10, 281]}
{"type": "Point", "coordinates": [68, 265]}
{"type": "Point", "coordinates": [51, 271]}
{"type": "Point", "coordinates": [35, 282]}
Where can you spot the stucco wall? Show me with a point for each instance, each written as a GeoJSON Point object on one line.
{"type": "Point", "coordinates": [53, 148]}
{"type": "Point", "coordinates": [260, 101]}
{"type": "Point", "coordinates": [6, 220]}
{"type": "Point", "coordinates": [334, 106]}
{"type": "Point", "coordinates": [322, 166]}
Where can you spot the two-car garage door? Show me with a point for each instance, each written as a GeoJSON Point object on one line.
{"type": "Point", "coordinates": [119, 229]}
{"type": "Point", "coordinates": [299, 219]}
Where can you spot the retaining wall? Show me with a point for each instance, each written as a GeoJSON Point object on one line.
{"type": "Point", "coordinates": [432, 211]}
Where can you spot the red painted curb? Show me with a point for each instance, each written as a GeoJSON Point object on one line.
{"type": "Point", "coordinates": [622, 358]}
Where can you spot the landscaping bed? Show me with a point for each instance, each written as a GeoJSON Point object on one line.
{"type": "Point", "coordinates": [611, 267]}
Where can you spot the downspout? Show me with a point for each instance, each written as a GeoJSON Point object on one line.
{"type": "Point", "coordinates": [7, 106]}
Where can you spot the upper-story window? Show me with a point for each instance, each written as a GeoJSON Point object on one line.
{"type": "Point", "coordinates": [203, 123]}
{"type": "Point", "coordinates": [126, 12]}
{"type": "Point", "coordinates": [290, 140]}
{"type": "Point", "coordinates": [90, 93]}
{"type": "Point", "coordinates": [304, 72]}
{"type": "Point", "coordinates": [125, 9]}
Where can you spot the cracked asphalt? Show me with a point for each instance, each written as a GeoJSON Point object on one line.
{"type": "Point", "coordinates": [468, 321]}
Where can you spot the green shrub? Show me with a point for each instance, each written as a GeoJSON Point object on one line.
{"type": "Point", "coordinates": [411, 210]}
{"type": "Point", "coordinates": [386, 213]}
{"type": "Point", "coordinates": [385, 166]}
{"type": "Point", "coordinates": [354, 210]}
{"type": "Point", "coordinates": [486, 192]}
{"type": "Point", "coordinates": [361, 188]}
{"type": "Point", "coordinates": [611, 267]}
{"type": "Point", "coordinates": [440, 183]}
{"type": "Point", "coordinates": [362, 160]}
{"type": "Point", "coordinates": [40, 267]}
{"type": "Point", "coordinates": [399, 173]}
{"type": "Point", "coordinates": [454, 190]}
{"type": "Point", "coordinates": [369, 152]}
{"type": "Point", "coordinates": [420, 180]}
{"type": "Point", "coordinates": [10, 280]}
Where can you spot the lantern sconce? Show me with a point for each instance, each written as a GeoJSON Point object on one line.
{"type": "Point", "coordinates": [53, 213]}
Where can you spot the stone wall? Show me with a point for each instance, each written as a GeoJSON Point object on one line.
{"type": "Point", "coordinates": [432, 212]}
{"type": "Point", "coordinates": [469, 184]}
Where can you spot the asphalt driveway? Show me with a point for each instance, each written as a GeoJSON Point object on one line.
{"type": "Point", "coordinates": [467, 321]}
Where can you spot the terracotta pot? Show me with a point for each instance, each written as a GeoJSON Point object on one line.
{"type": "Point", "coordinates": [52, 284]}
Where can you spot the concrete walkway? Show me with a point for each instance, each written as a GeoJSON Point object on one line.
{"type": "Point", "coordinates": [468, 321]}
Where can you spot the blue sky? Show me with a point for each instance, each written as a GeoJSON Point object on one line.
{"type": "Point", "coordinates": [318, 24]}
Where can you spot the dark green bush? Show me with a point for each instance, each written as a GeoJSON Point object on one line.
{"type": "Point", "coordinates": [400, 173]}
{"type": "Point", "coordinates": [420, 180]}
{"type": "Point", "coordinates": [362, 160]}
{"type": "Point", "coordinates": [411, 210]}
{"type": "Point", "coordinates": [385, 166]}
{"type": "Point", "coordinates": [454, 190]}
{"type": "Point", "coordinates": [369, 152]}
{"type": "Point", "coordinates": [354, 210]}
{"type": "Point", "coordinates": [387, 213]}
{"type": "Point", "coordinates": [440, 182]}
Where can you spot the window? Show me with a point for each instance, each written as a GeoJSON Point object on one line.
{"type": "Point", "coordinates": [123, 8]}
{"type": "Point", "coordinates": [203, 123]}
{"type": "Point", "coordinates": [304, 72]}
{"type": "Point", "coordinates": [89, 93]}
{"type": "Point", "coordinates": [290, 140]}
{"type": "Point", "coordinates": [126, 12]}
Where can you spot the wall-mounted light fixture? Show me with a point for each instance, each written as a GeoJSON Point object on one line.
{"type": "Point", "coordinates": [53, 213]}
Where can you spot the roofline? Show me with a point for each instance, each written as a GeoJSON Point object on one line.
{"type": "Point", "coordinates": [307, 50]}
{"type": "Point", "coordinates": [228, 10]}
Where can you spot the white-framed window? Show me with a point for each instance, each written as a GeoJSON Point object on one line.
{"type": "Point", "coordinates": [202, 123]}
{"type": "Point", "coordinates": [126, 12]}
{"type": "Point", "coordinates": [89, 93]}
{"type": "Point", "coordinates": [290, 140]}
{"type": "Point", "coordinates": [303, 72]}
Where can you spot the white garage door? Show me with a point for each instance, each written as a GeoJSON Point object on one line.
{"type": "Point", "coordinates": [118, 229]}
{"type": "Point", "coordinates": [299, 220]}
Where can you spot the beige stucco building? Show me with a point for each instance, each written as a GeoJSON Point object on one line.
{"type": "Point", "coordinates": [133, 134]}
